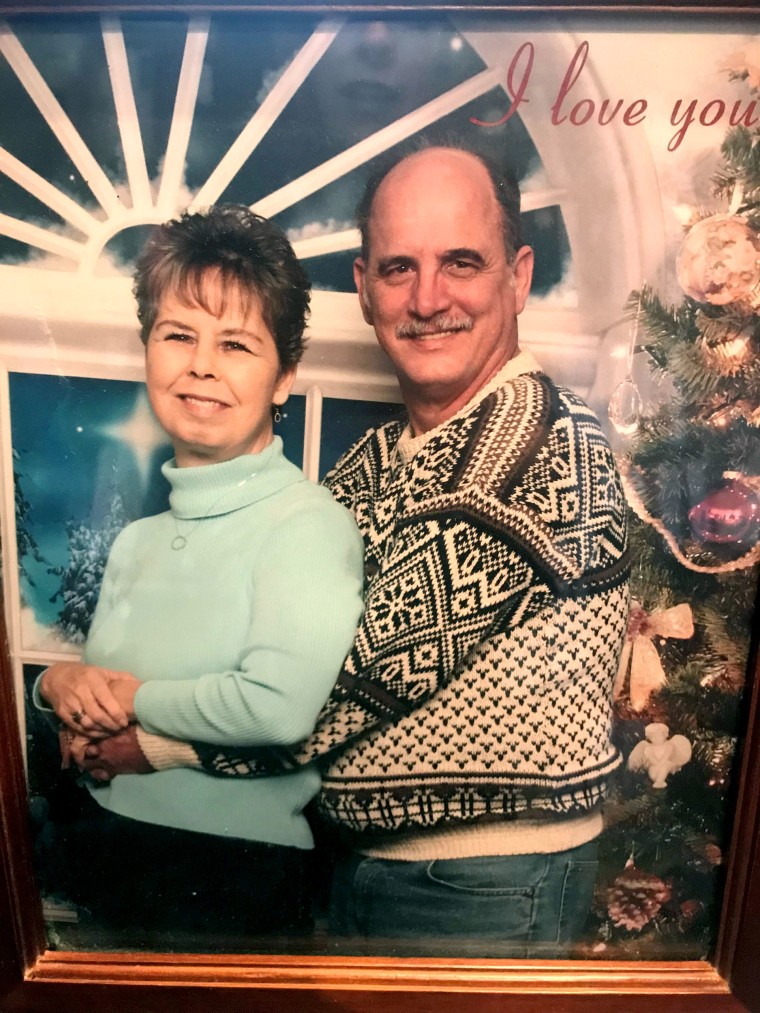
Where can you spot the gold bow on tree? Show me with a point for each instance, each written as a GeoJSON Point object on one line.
{"type": "Point", "coordinates": [647, 673]}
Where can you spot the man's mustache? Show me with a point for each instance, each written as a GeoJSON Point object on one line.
{"type": "Point", "coordinates": [436, 325]}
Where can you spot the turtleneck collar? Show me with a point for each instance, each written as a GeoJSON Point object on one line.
{"type": "Point", "coordinates": [211, 490]}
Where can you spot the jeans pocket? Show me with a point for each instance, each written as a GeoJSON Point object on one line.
{"type": "Point", "coordinates": [484, 877]}
{"type": "Point", "coordinates": [577, 897]}
{"type": "Point", "coordinates": [482, 898]}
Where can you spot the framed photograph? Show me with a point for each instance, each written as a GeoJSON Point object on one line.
{"type": "Point", "coordinates": [633, 132]}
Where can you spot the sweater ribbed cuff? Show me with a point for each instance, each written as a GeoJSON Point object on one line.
{"type": "Point", "coordinates": [164, 753]}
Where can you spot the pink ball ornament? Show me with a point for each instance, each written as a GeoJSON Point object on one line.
{"type": "Point", "coordinates": [719, 261]}
{"type": "Point", "coordinates": [729, 515]}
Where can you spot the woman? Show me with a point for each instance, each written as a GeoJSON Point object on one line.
{"type": "Point", "coordinates": [225, 618]}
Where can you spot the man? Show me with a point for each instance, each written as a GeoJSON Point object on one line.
{"type": "Point", "coordinates": [465, 749]}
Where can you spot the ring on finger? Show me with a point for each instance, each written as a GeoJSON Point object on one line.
{"type": "Point", "coordinates": [77, 716]}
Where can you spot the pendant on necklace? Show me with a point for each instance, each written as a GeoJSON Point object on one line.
{"type": "Point", "coordinates": [179, 542]}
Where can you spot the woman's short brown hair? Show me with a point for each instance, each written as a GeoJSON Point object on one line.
{"type": "Point", "coordinates": [250, 254]}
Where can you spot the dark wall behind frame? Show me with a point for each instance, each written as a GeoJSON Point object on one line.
{"type": "Point", "coordinates": [727, 7]}
{"type": "Point", "coordinates": [34, 980]}
{"type": "Point", "coordinates": [379, 6]}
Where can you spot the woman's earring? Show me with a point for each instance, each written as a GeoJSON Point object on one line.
{"type": "Point", "coordinates": [276, 413]}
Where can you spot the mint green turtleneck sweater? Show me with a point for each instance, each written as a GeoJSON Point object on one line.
{"type": "Point", "coordinates": [238, 636]}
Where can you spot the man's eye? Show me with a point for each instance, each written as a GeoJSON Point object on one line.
{"type": "Point", "coordinates": [396, 272]}
{"type": "Point", "coordinates": [391, 270]}
{"type": "Point", "coordinates": [462, 266]}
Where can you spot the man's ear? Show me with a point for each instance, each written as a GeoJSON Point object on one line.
{"type": "Point", "coordinates": [522, 272]}
{"type": "Point", "coordinates": [360, 280]}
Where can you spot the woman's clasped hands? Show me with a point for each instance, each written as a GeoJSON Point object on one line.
{"type": "Point", "coordinates": [96, 706]}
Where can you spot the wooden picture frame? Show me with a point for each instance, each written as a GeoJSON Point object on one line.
{"type": "Point", "coordinates": [34, 978]}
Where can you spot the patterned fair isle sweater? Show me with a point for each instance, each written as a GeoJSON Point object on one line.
{"type": "Point", "coordinates": [478, 686]}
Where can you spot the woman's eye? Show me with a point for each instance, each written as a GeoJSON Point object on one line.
{"type": "Point", "coordinates": [235, 346]}
{"type": "Point", "coordinates": [177, 336]}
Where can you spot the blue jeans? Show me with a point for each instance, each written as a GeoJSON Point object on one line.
{"type": "Point", "coordinates": [539, 903]}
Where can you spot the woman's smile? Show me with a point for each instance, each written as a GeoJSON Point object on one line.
{"type": "Point", "coordinates": [205, 406]}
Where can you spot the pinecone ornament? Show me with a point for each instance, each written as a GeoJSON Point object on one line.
{"type": "Point", "coordinates": [635, 897]}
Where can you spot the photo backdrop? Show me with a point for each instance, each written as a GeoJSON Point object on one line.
{"type": "Point", "coordinates": [635, 144]}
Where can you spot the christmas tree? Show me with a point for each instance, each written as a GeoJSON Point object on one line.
{"type": "Point", "coordinates": [26, 545]}
{"type": "Point", "coordinates": [82, 576]}
{"type": "Point", "coordinates": [691, 468]}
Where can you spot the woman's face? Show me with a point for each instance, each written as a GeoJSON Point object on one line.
{"type": "Point", "coordinates": [213, 377]}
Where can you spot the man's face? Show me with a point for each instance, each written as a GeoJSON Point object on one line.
{"type": "Point", "coordinates": [437, 287]}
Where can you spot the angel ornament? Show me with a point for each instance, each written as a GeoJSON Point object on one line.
{"type": "Point", "coordinates": [659, 755]}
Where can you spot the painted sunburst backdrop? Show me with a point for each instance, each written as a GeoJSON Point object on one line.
{"type": "Point", "coordinates": [142, 199]}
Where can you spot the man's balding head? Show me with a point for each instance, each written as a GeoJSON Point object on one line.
{"type": "Point", "coordinates": [505, 191]}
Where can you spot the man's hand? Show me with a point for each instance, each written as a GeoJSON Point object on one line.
{"type": "Point", "coordinates": [105, 758]}
{"type": "Point", "coordinates": [90, 699]}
